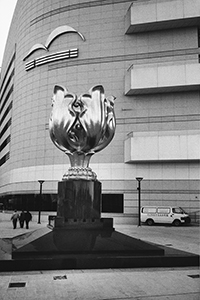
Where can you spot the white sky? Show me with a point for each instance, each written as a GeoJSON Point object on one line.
{"type": "Point", "coordinates": [6, 12]}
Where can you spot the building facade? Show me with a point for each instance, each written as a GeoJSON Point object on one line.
{"type": "Point", "coordinates": [145, 53]}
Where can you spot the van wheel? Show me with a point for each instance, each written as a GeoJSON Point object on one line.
{"type": "Point", "coordinates": [149, 222]}
{"type": "Point", "coordinates": [177, 223]}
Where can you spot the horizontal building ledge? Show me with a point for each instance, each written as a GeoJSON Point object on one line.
{"type": "Point", "coordinates": [153, 15]}
{"type": "Point", "coordinates": [145, 79]}
{"type": "Point", "coordinates": [162, 146]}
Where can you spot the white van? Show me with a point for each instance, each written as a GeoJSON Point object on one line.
{"type": "Point", "coordinates": [164, 214]}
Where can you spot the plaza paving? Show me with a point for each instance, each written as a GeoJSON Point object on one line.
{"type": "Point", "coordinates": [141, 284]}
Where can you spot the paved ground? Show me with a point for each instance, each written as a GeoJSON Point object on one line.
{"type": "Point", "coordinates": [102, 284]}
{"type": "Point", "coordinates": [185, 238]}
{"type": "Point", "coordinates": [112, 284]}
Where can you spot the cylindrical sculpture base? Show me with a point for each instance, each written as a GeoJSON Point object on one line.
{"type": "Point", "coordinates": [79, 199]}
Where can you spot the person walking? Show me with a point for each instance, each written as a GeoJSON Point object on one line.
{"type": "Point", "coordinates": [28, 218]}
{"type": "Point", "coordinates": [14, 218]}
{"type": "Point", "coordinates": [22, 219]}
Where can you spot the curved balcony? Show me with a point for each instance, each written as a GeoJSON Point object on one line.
{"type": "Point", "coordinates": [145, 79]}
{"type": "Point", "coordinates": [162, 146]}
{"type": "Point", "coordinates": [154, 15]}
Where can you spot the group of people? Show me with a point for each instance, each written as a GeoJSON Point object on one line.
{"type": "Point", "coordinates": [23, 217]}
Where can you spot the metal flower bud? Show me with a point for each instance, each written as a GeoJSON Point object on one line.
{"type": "Point", "coordinates": [81, 126]}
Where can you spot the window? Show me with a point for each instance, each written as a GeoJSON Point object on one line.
{"type": "Point", "coordinates": [113, 203]}
{"type": "Point", "coordinates": [177, 210]}
{"type": "Point", "coordinates": [4, 158]}
{"type": "Point", "coordinates": [5, 128]}
{"type": "Point", "coordinates": [5, 143]}
{"type": "Point", "coordinates": [165, 210]}
{"type": "Point", "coordinates": [149, 210]}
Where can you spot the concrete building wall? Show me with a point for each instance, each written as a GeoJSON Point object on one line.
{"type": "Point", "coordinates": [108, 52]}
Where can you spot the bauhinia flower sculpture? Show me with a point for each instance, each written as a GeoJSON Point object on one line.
{"type": "Point", "coordinates": [81, 126]}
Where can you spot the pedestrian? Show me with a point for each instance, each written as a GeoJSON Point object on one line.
{"type": "Point", "coordinates": [22, 219]}
{"type": "Point", "coordinates": [28, 218]}
{"type": "Point", "coordinates": [14, 218]}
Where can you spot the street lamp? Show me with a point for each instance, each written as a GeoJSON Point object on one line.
{"type": "Point", "coordinates": [139, 179]}
{"type": "Point", "coordinates": [39, 212]}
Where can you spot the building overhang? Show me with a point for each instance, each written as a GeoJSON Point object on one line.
{"type": "Point", "coordinates": [142, 147]}
{"type": "Point", "coordinates": [145, 79]}
{"type": "Point", "coordinates": [154, 15]}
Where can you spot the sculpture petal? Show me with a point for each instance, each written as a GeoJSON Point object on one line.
{"type": "Point", "coordinates": [62, 117]}
{"type": "Point", "coordinates": [92, 118]}
{"type": "Point", "coordinates": [109, 129]}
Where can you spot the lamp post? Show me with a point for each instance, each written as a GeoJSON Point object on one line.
{"type": "Point", "coordinates": [39, 212]}
{"type": "Point", "coordinates": [139, 179]}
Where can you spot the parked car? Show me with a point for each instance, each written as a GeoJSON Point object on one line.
{"type": "Point", "coordinates": [164, 214]}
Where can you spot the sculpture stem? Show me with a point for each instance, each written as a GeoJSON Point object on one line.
{"type": "Point", "coordinates": [79, 166]}
{"type": "Point", "coordinates": [79, 159]}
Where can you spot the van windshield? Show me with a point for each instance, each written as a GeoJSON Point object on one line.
{"type": "Point", "coordinates": [178, 210]}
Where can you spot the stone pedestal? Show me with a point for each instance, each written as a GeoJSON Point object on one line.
{"type": "Point", "coordinates": [80, 239]}
{"type": "Point", "coordinates": [79, 200]}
